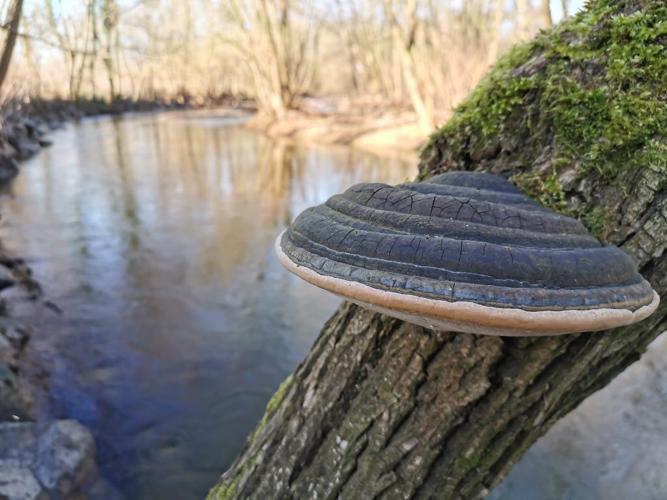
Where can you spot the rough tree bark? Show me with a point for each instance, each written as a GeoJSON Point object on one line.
{"type": "Point", "coordinates": [385, 409]}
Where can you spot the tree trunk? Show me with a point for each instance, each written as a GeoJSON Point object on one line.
{"type": "Point", "coordinates": [404, 41]}
{"type": "Point", "coordinates": [564, 7]}
{"type": "Point", "coordinates": [523, 17]}
{"type": "Point", "coordinates": [496, 31]}
{"type": "Point", "coordinates": [10, 40]}
{"type": "Point", "coordinates": [109, 21]}
{"type": "Point", "coordinates": [546, 13]}
{"type": "Point", "coordinates": [386, 409]}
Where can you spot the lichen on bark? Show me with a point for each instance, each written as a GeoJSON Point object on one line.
{"type": "Point", "coordinates": [385, 409]}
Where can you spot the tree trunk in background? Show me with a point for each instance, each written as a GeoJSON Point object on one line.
{"type": "Point", "coordinates": [14, 17]}
{"type": "Point", "coordinates": [523, 15]}
{"type": "Point", "coordinates": [404, 41]}
{"type": "Point", "coordinates": [385, 409]}
{"type": "Point", "coordinates": [496, 33]}
{"type": "Point", "coordinates": [546, 13]}
{"type": "Point", "coordinates": [110, 22]}
{"type": "Point", "coordinates": [564, 7]}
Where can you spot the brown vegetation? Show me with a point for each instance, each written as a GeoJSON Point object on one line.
{"type": "Point", "coordinates": [411, 56]}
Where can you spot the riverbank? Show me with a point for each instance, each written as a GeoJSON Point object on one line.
{"type": "Point", "coordinates": [39, 457]}
{"type": "Point", "coordinates": [364, 124]}
{"type": "Point", "coordinates": [24, 124]}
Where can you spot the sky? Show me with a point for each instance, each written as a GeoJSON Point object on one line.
{"type": "Point", "coordinates": [68, 5]}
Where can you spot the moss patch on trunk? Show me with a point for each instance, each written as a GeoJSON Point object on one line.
{"type": "Point", "coordinates": [595, 86]}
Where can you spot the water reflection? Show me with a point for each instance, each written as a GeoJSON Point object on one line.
{"type": "Point", "coordinates": [154, 234]}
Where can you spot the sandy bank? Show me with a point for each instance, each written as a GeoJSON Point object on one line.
{"type": "Point", "coordinates": [371, 128]}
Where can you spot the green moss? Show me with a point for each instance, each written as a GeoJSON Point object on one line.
{"type": "Point", "coordinates": [599, 222]}
{"type": "Point", "coordinates": [546, 190]}
{"type": "Point", "coordinates": [654, 155]}
{"type": "Point", "coordinates": [273, 403]}
{"type": "Point", "coordinates": [464, 464]}
{"type": "Point", "coordinates": [279, 395]}
{"type": "Point", "coordinates": [223, 491]}
{"type": "Point", "coordinates": [592, 90]}
{"type": "Point", "coordinates": [226, 490]}
{"type": "Point", "coordinates": [485, 110]}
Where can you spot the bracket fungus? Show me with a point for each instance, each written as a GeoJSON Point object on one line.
{"type": "Point", "coordinates": [468, 252]}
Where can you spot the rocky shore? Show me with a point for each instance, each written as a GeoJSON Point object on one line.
{"type": "Point", "coordinates": [25, 123]}
{"type": "Point", "coordinates": [40, 458]}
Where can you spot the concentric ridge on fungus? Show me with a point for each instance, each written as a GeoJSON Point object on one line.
{"type": "Point", "coordinates": [465, 251]}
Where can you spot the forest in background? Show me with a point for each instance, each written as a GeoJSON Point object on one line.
{"type": "Point", "coordinates": [421, 56]}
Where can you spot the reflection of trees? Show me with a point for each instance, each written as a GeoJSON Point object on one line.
{"type": "Point", "coordinates": [126, 184]}
{"type": "Point", "coordinates": [275, 167]}
{"type": "Point", "coordinates": [248, 203]}
{"type": "Point", "coordinates": [279, 168]}
{"type": "Point", "coordinates": [193, 156]}
{"type": "Point", "coordinates": [178, 221]}
{"type": "Point", "coordinates": [197, 205]}
{"type": "Point", "coordinates": [180, 216]}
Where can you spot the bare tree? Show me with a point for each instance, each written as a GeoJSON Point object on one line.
{"type": "Point", "coordinates": [14, 16]}
{"type": "Point", "coordinates": [66, 42]}
{"type": "Point", "coordinates": [95, 39]}
{"type": "Point", "coordinates": [277, 50]}
{"type": "Point", "coordinates": [564, 6]}
{"type": "Point", "coordinates": [422, 55]}
{"type": "Point", "coordinates": [546, 13]}
{"type": "Point", "coordinates": [494, 44]}
{"type": "Point", "coordinates": [522, 19]}
{"type": "Point", "coordinates": [110, 23]}
{"type": "Point", "coordinates": [404, 36]}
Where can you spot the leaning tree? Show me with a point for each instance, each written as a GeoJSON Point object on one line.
{"type": "Point", "coordinates": [382, 408]}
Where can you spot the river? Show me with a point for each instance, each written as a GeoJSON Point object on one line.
{"type": "Point", "coordinates": [153, 233]}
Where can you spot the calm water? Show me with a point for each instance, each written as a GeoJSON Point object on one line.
{"type": "Point", "coordinates": [154, 234]}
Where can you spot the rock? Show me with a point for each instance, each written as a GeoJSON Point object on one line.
{"type": "Point", "coordinates": [18, 441]}
{"type": "Point", "coordinates": [15, 398]}
{"type": "Point", "coordinates": [56, 463]}
{"type": "Point", "coordinates": [12, 342]}
{"type": "Point", "coordinates": [18, 336]}
{"type": "Point", "coordinates": [19, 483]}
{"type": "Point", "coordinates": [103, 490]}
{"type": "Point", "coordinates": [6, 373]}
{"type": "Point", "coordinates": [33, 128]}
{"type": "Point", "coordinates": [7, 350]}
{"type": "Point", "coordinates": [6, 149]}
{"type": "Point", "coordinates": [8, 169]}
{"type": "Point", "coordinates": [26, 147]}
{"type": "Point", "coordinates": [65, 457]}
{"type": "Point", "coordinates": [10, 353]}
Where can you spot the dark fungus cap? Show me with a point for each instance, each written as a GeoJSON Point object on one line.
{"type": "Point", "coordinates": [465, 251]}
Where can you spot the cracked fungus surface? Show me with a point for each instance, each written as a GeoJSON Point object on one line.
{"type": "Point", "coordinates": [461, 237]}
